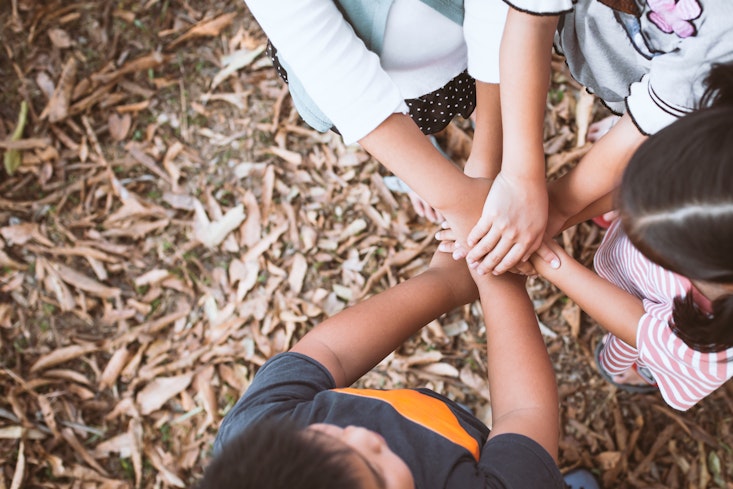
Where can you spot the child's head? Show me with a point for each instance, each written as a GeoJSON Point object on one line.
{"type": "Point", "coordinates": [676, 203]}
{"type": "Point", "coordinates": [275, 454]}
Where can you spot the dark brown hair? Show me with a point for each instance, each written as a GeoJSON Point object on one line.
{"type": "Point", "coordinates": [676, 204]}
{"type": "Point", "coordinates": [276, 454]}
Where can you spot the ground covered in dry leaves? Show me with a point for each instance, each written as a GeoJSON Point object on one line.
{"type": "Point", "coordinates": [167, 223]}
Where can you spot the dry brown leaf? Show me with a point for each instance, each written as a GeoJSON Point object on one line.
{"type": "Point", "coordinates": [19, 234]}
{"type": "Point", "coordinates": [135, 429]}
{"type": "Point", "coordinates": [157, 392]}
{"type": "Point", "coordinates": [121, 444]}
{"type": "Point", "coordinates": [19, 473]}
{"type": "Point", "coordinates": [583, 115]}
{"type": "Point", "coordinates": [608, 460]}
{"type": "Point", "coordinates": [114, 367]}
{"type": "Point", "coordinates": [206, 28]}
{"type": "Point", "coordinates": [477, 382]}
{"type": "Point", "coordinates": [140, 64]}
{"type": "Point", "coordinates": [298, 269]}
{"type": "Point", "coordinates": [212, 233]}
{"type": "Point", "coordinates": [60, 38]}
{"type": "Point", "coordinates": [85, 283]}
{"type": "Point", "coordinates": [119, 126]}
{"type": "Point", "coordinates": [81, 450]}
{"type": "Point", "coordinates": [152, 277]}
{"type": "Point", "coordinates": [156, 457]}
{"type": "Point", "coordinates": [16, 432]}
{"type": "Point", "coordinates": [52, 282]}
{"type": "Point", "coordinates": [203, 385]}
{"type": "Point", "coordinates": [61, 355]}
{"type": "Point", "coordinates": [571, 315]}
{"type": "Point", "coordinates": [58, 106]}
{"type": "Point", "coordinates": [443, 369]}
{"type": "Point", "coordinates": [171, 153]}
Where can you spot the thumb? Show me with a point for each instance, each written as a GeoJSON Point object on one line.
{"type": "Point", "coordinates": [547, 255]}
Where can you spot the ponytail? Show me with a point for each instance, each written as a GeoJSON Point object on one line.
{"type": "Point", "coordinates": [706, 333]}
{"type": "Point", "coordinates": [719, 86]}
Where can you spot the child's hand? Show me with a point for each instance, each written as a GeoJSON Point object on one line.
{"type": "Point", "coordinates": [448, 239]}
{"type": "Point", "coordinates": [549, 246]}
{"type": "Point", "coordinates": [449, 244]}
{"type": "Point", "coordinates": [511, 226]}
{"type": "Point", "coordinates": [423, 209]}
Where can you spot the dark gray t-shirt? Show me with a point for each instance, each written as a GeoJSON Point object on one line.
{"type": "Point", "coordinates": [443, 444]}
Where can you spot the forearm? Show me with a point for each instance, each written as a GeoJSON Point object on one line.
{"type": "Point", "coordinates": [353, 341]}
{"type": "Point", "coordinates": [486, 148]}
{"type": "Point", "coordinates": [402, 148]}
{"type": "Point", "coordinates": [597, 174]}
{"type": "Point", "coordinates": [613, 308]}
{"type": "Point", "coordinates": [521, 378]}
{"type": "Point", "coordinates": [525, 75]}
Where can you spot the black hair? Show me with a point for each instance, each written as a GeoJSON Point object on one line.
{"type": "Point", "coordinates": [676, 205]}
{"type": "Point", "coordinates": [277, 454]}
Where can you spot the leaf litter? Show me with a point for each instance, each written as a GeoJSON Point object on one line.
{"type": "Point", "coordinates": [167, 223]}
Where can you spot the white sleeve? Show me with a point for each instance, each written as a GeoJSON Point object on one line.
{"type": "Point", "coordinates": [483, 26]}
{"type": "Point", "coordinates": [344, 78]}
{"type": "Point", "coordinates": [542, 7]}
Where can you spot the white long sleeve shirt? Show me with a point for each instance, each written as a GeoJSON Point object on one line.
{"type": "Point", "coordinates": [357, 89]}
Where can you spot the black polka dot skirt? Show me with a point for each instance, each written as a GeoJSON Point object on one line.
{"type": "Point", "coordinates": [431, 112]}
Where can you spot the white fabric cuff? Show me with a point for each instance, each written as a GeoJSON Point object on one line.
{"type": "Point", "coordinates": [648, 111]}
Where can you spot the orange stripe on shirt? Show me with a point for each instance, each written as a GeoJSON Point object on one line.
{"type": "Point", "coordinates": [424, 410]}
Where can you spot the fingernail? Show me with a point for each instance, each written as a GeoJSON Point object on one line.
{"type": "Point", "coordinates": [437, 235]}
{"type": "Point", "coordinates": [555, 263]}
{"type": "Point", "coordinates": [444, 224]}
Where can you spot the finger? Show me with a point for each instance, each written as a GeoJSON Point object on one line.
{"type": "Point", "coordinates": [480, 230]}
{"type": "Point", "coordinates": [446, 235]}
{"type": "Point", "coordinates": [547, 255]}
{"type": "Point", "coordinates": [417, 204]}
{"type": "Point", "coordinates": [495, 257]}
{"type": "Point", "coordinates": [459, 252]}
{"type": "Point", "coordinates": [525, 268]}
{"type": "Point", "coordinates": [447, 247]}
{"type": "Point", "coordinates": [484, 246]}
{"type": "Point", "coordinates": [511, 259]}
{"type": "Point", "coordinates": [432, 215]}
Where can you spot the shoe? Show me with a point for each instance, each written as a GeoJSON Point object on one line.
{"type": "Point", "coordinates": [601, 222]}
{"type": "Point", "coordinates": [643, 372]}
{"type": "Point", "coordinates": [581, 479]}
{"type": "Point", "coordinates": [605, 220]}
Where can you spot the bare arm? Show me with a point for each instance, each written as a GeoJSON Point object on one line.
{"type": "Point", "coordinates": [515, 213]}
{"type": "Point", "coordinates": [521, 378]}
{"type": "Point", "coordinates": [486, 148]}
{"type": "Point", "coordinates": [615, 309]}
{"type": "Point", "coordinates": [353, 341]}
{"type": "Point", "coordinates": [586, 189]}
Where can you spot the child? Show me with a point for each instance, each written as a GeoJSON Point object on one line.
{"type": "Point", "coordinates": [643, 58]}
{"type": "Point", "coordinates": [300, 425]}
{"type": "Point", "coordinates": [667, 289]}
{"type": "Point", "coordinates": [352, 65]}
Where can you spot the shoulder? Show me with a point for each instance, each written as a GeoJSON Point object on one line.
{"type": "Point", "coordinates": [519, 462]}
{"type": "Point", "coordinates": [283, 383]}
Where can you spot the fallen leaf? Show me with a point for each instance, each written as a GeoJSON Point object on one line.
{"type": "Point", "coordinates": [206, 28]}
{"type": "Point", "coordinates": [158, 391]}
{"type": "Point", "coordinates": [119, 126]}
{"type": "Point", "coordinates": [209, 233]}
